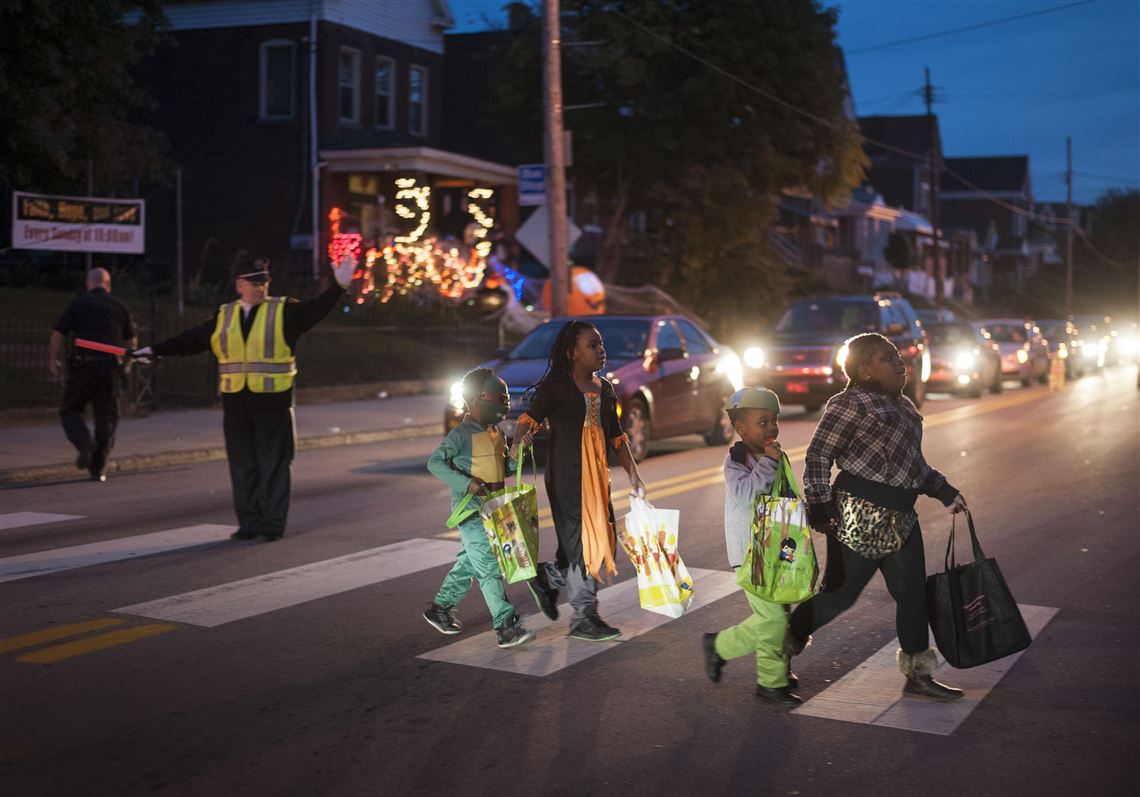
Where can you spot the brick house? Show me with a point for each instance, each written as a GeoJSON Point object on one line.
{"type": "Point", "coordinates": [234, 96]}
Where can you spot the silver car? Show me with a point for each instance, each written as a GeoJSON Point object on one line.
{"type": "Point", "coordinates": [1024, 353]}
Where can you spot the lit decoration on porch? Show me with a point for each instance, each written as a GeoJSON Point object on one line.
{"type": "Point", "coordinates": [413, 263]}
{"type": "Point", "coordinates": [421, 196]}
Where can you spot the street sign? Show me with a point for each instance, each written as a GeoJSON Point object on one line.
{"type": "Point", "coordinates": [532, 184]}
{"type": "Point", "coordinates": [534, 234]}
{"type": "Point", "coordinates": [78, 224]}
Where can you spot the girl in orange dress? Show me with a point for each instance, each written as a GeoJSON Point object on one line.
{"type": "Point", "coordinates": [581, 408]}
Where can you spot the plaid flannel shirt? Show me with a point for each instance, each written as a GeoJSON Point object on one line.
{"type": "Point", "coordinates": [871, 435]}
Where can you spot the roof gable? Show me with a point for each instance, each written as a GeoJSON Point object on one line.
{"type": "Point", "coordinates": [909, 133]}
{"type": "Point", "coordinates": [1005, 173]}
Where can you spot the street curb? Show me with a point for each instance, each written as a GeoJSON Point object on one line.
{"type": "Point", "coordinates": [134, 462]}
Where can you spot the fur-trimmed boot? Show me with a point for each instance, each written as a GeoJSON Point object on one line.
{"type": "Point", "coordinates": [918, 669]}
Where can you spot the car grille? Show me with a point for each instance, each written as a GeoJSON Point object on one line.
{"type": "Point", "coordinates": [793, 357]}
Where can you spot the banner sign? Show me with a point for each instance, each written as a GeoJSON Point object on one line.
{"type": "Point", "coordinates": [78, 224]}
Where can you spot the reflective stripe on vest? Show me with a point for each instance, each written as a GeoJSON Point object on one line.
{"type": "Point", "coordinates": [261, 362]}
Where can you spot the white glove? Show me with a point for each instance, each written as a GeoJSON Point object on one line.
{"type": "Point", "coordinates": [344, 271]}
{"type": "Point", "coordinates": [145, 354]}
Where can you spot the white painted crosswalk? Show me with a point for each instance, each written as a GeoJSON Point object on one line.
{"type": "Point", "coordinates": [871, 694]}
{"type": "Point", "coordinates": [553, 650]}
{"type": "Point", "coordinates": [14, 568]}
{"type": "Point", "coordinates": [250, 597]}
{"type": "Point", "coordinates": [18, 520]}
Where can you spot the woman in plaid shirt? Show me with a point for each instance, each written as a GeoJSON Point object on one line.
{"type": "Point", "coordinates": [873, 434]}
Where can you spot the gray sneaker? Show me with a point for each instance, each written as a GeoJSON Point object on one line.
{"type": "Point", "coordinates": [512, 633]}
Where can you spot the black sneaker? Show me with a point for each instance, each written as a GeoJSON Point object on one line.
{"type": "Point", "coordinates": [713, 662]}
{"type": "Point", "coordinates": [512, 633]}
{"type": "Point", "coordinates": [443, 619]}
{"type": "Point", "coordinates": [781, 697]}
{"type": "Point", "coordinates": [544, 597]}
{"type": "Point", "coordinates": [83, 459]}
{"type": "Point", "coordinates": [594, 629]}
{"type": "Point", "coordinates": [243, 534]}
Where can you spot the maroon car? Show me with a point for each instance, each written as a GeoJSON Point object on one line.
{"type": "Point", "coordinates": [670, 376]}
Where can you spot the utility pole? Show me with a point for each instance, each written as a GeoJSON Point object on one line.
{"type": "Point", "coordinates": [314, 166]}
{"type": "Point", "coordinates": [90, 193]}
{"type": "Point", "coordinates": [933, 170]}
{"type": "Point", "coordinates": [1068, 226]}
{"type": "Point", "coordinates": [178, 234]}
{"type": "Point", "coordinates": [554, 147]}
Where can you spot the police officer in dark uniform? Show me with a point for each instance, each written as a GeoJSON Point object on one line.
{"type": "Point", "coordinates": [92, 377]}
{"type": "Point", "coordinates": [254, 340]}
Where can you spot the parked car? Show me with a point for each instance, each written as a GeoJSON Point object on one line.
{"type": "Point", "coordinates": [803, 361]}
{"type": "Point", "coordinates": [962, 360]}
{"type": "Point", "coordinates": [671, 377]}
{"type": "Point", "coordinates": [1063, 342]}
{"type": "Point", "coordinates": [1024, 355]}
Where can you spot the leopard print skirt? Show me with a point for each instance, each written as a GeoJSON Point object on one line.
{"type": "Point", "coordinates": [870, 530]}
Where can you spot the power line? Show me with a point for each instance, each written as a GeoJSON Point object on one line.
{"type": "Point", "coordinates": [835, 125]}
{"type": "Point", "coordinates": [977, 26]}
{"type": "Point", "coordinates": [1132, 180]}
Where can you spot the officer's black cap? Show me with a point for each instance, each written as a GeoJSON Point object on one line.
{"type": "Point", "coordinates": [257, 271]}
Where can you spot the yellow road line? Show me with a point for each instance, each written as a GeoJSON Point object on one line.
{"type": "Point", "coordinates": [52, 634]}
{"type": "Point", "coordinates": [91, 644]}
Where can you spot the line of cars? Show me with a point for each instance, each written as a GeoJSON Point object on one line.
{"type": "Point", "coordinates": [673, 378]}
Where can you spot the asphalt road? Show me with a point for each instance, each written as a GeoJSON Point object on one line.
{"type": "Point", "coordinates": [329, 695]}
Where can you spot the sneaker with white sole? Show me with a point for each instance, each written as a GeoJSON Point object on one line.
{"type": "Point", "coordinates": [512, 633]}
{"type": "Point", "coordinates": [443, 619]}
{"type": "Point", "coordinates": [594, 629]}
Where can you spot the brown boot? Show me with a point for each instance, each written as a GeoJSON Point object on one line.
{"type": "Point", "coordinates": [918, 669]}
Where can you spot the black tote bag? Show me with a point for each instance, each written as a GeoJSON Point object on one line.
{"type": "Point", "coordinates": [974, 617]}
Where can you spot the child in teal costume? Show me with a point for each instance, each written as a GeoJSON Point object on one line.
{"type": "Point", "coordinates": [472, 460]}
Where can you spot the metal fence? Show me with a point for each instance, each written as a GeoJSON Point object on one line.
{"type": "Point", "coordinates": [327, 355]}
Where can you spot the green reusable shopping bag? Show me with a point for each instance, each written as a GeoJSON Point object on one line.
{"type": "Point", "coordinates": [781, 566]}
{"type": "Point", "coordinates": [510, 518]}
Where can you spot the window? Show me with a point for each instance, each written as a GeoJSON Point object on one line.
{"type": "Point", "coordinates": [417, 101]}
{"type": "Point", "coordinates": [348, 79]}
{"type": "Point", "coordinates": [695, 342]}
{"type": "Point", "coordinates": [385, 80]}
{"type": "Point", "coordinates": [278, 74]}
{"type": "Point", "coordinates": [667, 337]}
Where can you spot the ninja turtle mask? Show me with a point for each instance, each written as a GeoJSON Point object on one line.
{"type": "Point", "coordinates": [492, 404]}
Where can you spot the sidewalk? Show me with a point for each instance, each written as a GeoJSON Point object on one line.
{"type": "Point", "coordinates": [39, 452]}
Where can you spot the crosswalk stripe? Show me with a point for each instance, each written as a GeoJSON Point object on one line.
{"type": "Point", "coordinates": [16, 520]}
{"type": "Point", "coordinates": [51, 634]}
{"type": "Point", "coordinates": [871, 694]}
{"type": "Point", "coordinates": [250, 597]}
{"type": "Point", "coordinates": [14, 568]}
{"type": "Point", "coordinates": [91, 644]}
{"type": "Point", "coordinates": [553, 650]}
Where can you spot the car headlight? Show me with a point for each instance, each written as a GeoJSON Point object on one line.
{"type": "Point", "coordinates": [1062, 351]}
{"type": "Point", "coordinates": [729, 366]}
{"type": "Point", "coordinates": [841, 355]}
{"type": "Point", "coordinates": [455, 398]}
{"type": "Point", "coordinates": [754, 357]}
{"type": "Point", "coordinates": [1022, 356]}
{"type": "Point", "coordinates": [925, 367]}
{"type": "Point", "coordinates": [965, 361]}
{"type": "Point", "coordinates": [1090, 352]}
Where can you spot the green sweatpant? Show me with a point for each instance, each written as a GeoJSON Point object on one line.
{"type": "Point", "coordinates": [476, 560]}
{"type": "Point", "coordinates": [762, 634]}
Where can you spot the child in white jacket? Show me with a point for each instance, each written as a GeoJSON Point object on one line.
{"type": "Point", "coordinates": [750, 470]}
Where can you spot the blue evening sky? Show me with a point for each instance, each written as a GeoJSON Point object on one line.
{"type": "Point", "coordinates": [1011, 88]}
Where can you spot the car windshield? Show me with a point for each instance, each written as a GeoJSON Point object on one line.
{"type": "Point", "coordinates": [1007, 333]}
{"type": "Point", "coordinates": [1053, 330]}
{"type": "Point", "coordinates": [624, 339]}
{"type": "Point", "coordinates": [951, 335]}
{"type": "Point", "coordinates": [830, 317]}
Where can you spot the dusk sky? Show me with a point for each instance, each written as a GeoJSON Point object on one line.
{"type": "Point", "coordinates": [1005, 87]}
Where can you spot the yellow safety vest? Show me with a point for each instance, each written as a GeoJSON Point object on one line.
{"type": "Point", "coordinates": [263, 362]}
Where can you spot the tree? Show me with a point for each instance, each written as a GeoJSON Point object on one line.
{"type": "Point", "coordinates": [1105, 259]}
{"type": "Point", "coordinates": [66, 91]}
{"type": "Point", "coordinates": [708, 109]}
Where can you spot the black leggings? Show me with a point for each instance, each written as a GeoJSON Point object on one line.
{"type": "Point", "coordinates": [904, 571]}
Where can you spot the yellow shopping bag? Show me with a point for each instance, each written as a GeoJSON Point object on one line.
{"type": "Point", "coordinates": [649, 537]}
